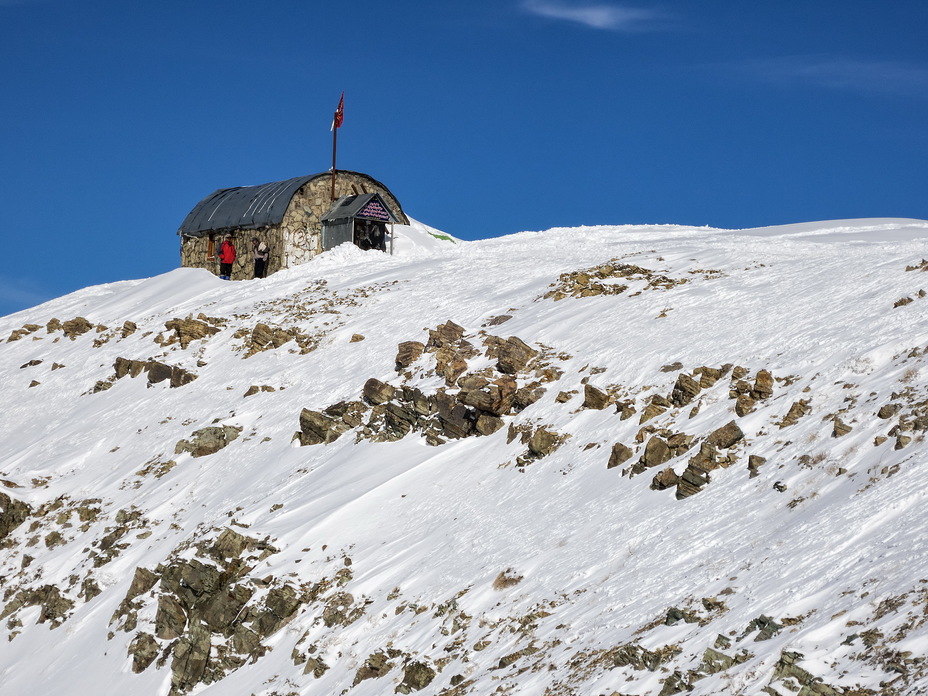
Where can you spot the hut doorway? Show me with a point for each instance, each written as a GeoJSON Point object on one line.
{"type": "Point", "coordinates": [362, 220]}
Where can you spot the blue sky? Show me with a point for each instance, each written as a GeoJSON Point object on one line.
{"type": "Point", "coordinates": [484, 118]}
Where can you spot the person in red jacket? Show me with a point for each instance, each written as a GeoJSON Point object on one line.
{"type": "Point", "coordinates": [226, 258]}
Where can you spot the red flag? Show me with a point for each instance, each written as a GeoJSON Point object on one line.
{"type": "Point", "coordinates": [339, 114]}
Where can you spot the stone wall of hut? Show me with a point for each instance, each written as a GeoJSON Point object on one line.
{"type": "Point", "coordinates": [299, 235]}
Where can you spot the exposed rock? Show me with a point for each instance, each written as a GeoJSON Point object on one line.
{"type": "Point", "coordinates": [191, 654]}
{"type": "Point", "coordinates": [763, 385]}
{"type": "Point", "coordinates": [255, 388]}
{"type": "Point", "coordinates": [513, 354]}
{"type": "Point", "coordinates": [142, 582]}
{"type": "Point", "coordinates": [407, 353]}
{"type": "Point", "coordinates": [377, 392]}
{"type": "Point", "coordinates": [744, 405]}
{"type": "Point", "coordinates": [726, 436]}
{"type": "Point", "coordinates": [840, 428]}
{"type": "Point", "coordinates": [667, 478]}
{"type": "Point", "coordinates": [356, 338]}
{"type": "Point", "coordinates": [170, 619]}
{"type": "Point", "coordinates": [416, 676]}
{"type": "Point", "coordinates": [12, 514]}
{"type": "Point", "coordinates": [496, 398]}
{"type": "Point", "coordinates": [143, 650]}
{"type": "Point", "coordinates": [76, 327]}
{"type": "Point", "coordinates": [766, 628]}
{"type": "Point", "coordinates": [656, 452]}
{"type": "Point", "coordinates": [684, 390]}
{"type": "Point", "coordinates": [456, 419]}
{"type": "Point", "coordinates": [796, 411]}
{"type": "Point", "coordinates": [317, 428]}
{"type": "Point", "coordinates": [374, 667]}
{"type": "Point", "coordinates": [487, 424]}
{"type": "Point", "coordinates": [445, 334]}
{"type": "Point", "coordinates": [208, 440]}
{"type": "Point", "coordinates": [543, 442]}
{"type": "Point", "coordinates": [708, 376]}
{"type": "Point", "coordinates": [188, 330]}
{"type": "Point", "coordinates": [128, 328]}
{"type": "Point", "coordinates": [888, 411]}
{"type": "Point", "coordinates": [620, 454]}
{"type": "Point", "coordinates": [156, 371]}
{"type": "Point", "coordinates": [595, 398]}
{"type": "Point", "coordinates": [754, 464]}
{"type": "Point", "coordinates": [264, 337]}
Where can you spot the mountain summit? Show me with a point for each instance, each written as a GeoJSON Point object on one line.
{"type": "Point", "coordinates": [627, 460]}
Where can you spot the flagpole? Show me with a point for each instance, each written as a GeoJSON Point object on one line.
{"type": "Point", "coordinates": [334, 146]}
{"type": "Point", "coordinates": [337, 119]}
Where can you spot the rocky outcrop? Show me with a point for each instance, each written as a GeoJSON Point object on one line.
{"type": "Point", "coordinates": [188, 330]}
{"type": "Point", "coordinates": [208, 440]}
{"type": "Point", "coordinates": [12, 514]}
{"type": "Point", "coordinates": [156, 371]}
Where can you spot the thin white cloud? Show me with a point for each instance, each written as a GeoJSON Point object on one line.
{"type": "Point", "coordinates": [846, 74]}
{"type": "Point", "coordinates": [610, 17]}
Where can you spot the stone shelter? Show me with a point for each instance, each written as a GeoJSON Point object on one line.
{"type": "Point", "coordinates": [288, 217]}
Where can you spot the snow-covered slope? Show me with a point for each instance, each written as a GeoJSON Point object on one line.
{"type": "Point", "coordinates": [596, 460]}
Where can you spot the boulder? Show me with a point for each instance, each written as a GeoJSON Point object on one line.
{"type": "Point", "coordinates": [407, 353]}
{"type": "Point", "coordinates": [76, 327]}
{"type": "Point", "coordinates": [188, 330]}
{"type": "Point", "coordinates": [317, 428]}
{"type": "Point", "coordinates": [12, 514]}
{"type": "Point", "coordinates": [377, 392]}
{"type": "Point", "coordinates": [763, 385]}
{"type": "Point", "coordinates": [796, 411]}
{"type": "Point", "coordinates": [445, 334]}
{"type": "Point", "coordinates": [684, 390]}
{"type": "Point", "coordinates": [656, 452]}
{"type": "Point", "coordinates": [208, 440]}
{"type": "Point", "coordinates": [667, 478]}
{"type": "Point", "coordinates": [496, 398]}
{"type": "Point", "coordinates": [543, 442]}
{"type": "Point", "coordinates": [620, 454]}
{"type": "Point", "coordinates": [595, 398]}
{"type": "Point", "coordinates": [726, 436]}
{"type": "Point", "coordinates": [514, 355]}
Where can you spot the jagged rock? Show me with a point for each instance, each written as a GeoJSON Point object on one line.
{"type": "Point", "coordinates": [888, 411]}
{"type": "Point", "coordinates": [377, 392]}
{"type": "Point", "coordinates": [656, 452]}
{"type": "Point", "coordinates": [142, 582]}
{"type": "Point", "coordinates": [143, 650]}
{"type": "Point", "coordinates": [317, 428]}
{"type": "Point", "coordinates": [76, 327]}
{"type": "Point", "coordinates": [763, 385]}
{"type": "Point", "coordinates": [595, 398]}
{"type": "Point", "coordinates": [338, 610]}
{"type": "Point", "coordinates": [191, 654]}
{"type": "Point", "coordinates": [416, 676]}
{"type": "Point", "coordinates": [374, 667]}
{"type": "Point", "coordinates": [726, 436]}
{"type": "Point", "coordinates": [708, 376]}
{"type": "Point", "coordinates": [255, 388]}
{"type": "Point", "coordinates": [12, 514]}
{"type": "Point", "coordinates": [679, 443]}
{"type": "Point", "coordinates": [754, 464]}
{"type": "Point", "coordinates": [128, 328]}
{"type": "Point", "coordinates": [456, 419]}
{"type": "Point", "coordinates": [625, 409]}
{"type": "Point", "coordinates": [356, 338]}
{"type": "Point", "coordinates": [692, 480]}
{"type": "Point", "coordinates": [620, 454]}
{"type": "Point", "coordinates": [744, 405]}
{"type": "Point", "coordinates": [684, 390]}
{"type": "Point", "coordinates": [170, 619]}
{"type": "Point", "coordinates": [407, 353]}
{"type": "Point", "coordinates": [445, 334]}
{"type": "Point", "coordinates": [53, 325]}
{"type": "Point", "coordinates": [208, 440]}
{"type": "Point", "coordinates": [188, 330]}
{"type": "Point", "coordinates": [526, 396]}
{"type": "Point", "coordinates": [513, 355]}
{"type": "Point", "coordinates": [667, 478]}
{"type": "Point", "coordinates": [543, 442]}
{"type": "Point", "coordinates": [652, 410]}
{"type": "Point", "coordinates": [766, 627]}
{"type": "Point", "coordinates": [488, 424]}
{"type": "Point", "coordinates": [263, 336]}
{"type": "Point", "coordinates": [315, 666]}
{"type": "Point", "coordinates": [27, 329]}
{"type": "Point", "coordinates": [55, 606]}
{"type": "Point", "coordinates": [496, 398]}
{"type": "Point", "coordinates": [796, 411]}
{"type": "Point", "coordinates": [840, 428]}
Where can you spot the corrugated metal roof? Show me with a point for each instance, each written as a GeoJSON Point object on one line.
{"type": "Point", "coordinates": [243, 207]}
{"type": "Point", "coordinates": [368, 206]}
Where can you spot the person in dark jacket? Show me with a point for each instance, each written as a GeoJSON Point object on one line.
{"type": "Point", "coordinates": [226, 257]}
{"type": "Point", "coordinates": [261, 253]}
